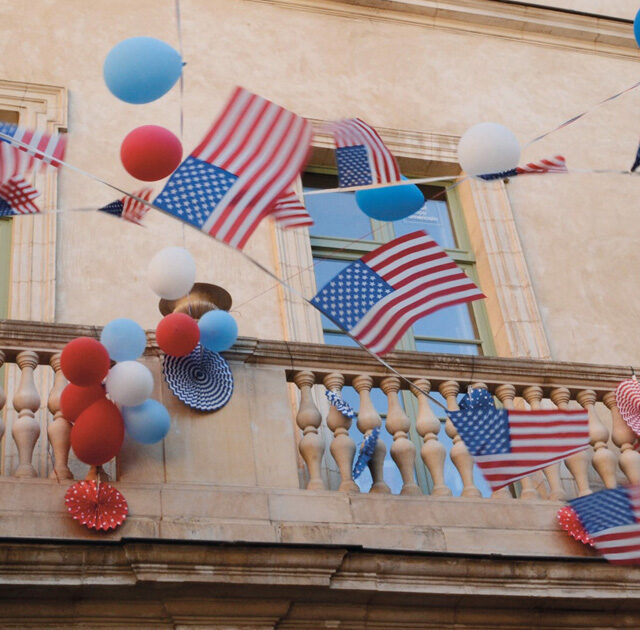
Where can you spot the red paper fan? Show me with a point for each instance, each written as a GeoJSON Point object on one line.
{"type": "Point", "coordinates": [628, 401]}
{"type": "Point", "coordinates": [96, 505]}
{"type": "Point", "coordinates": [570, 522]}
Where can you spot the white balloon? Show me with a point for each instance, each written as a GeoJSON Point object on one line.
{"type": "Point", "coordinates": [488, 148]}
{"type": "Point", "coordinates": [172, 272]}
{"type": "Point", "coordinates": [129, 383]}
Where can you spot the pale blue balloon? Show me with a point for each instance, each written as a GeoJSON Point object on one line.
{"type": "Point", "coordinates": [141, 69]}
{"type": "Point", "coordinates": [391, 203]}
{"type": "Point", "coordinates": [218, 330]}
{"type": "Point", "coordinates": [147, 423]}
{"type": "Point", "coordinates": [124, 339]}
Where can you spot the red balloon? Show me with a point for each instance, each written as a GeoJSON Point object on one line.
{"type": "Point", "coordinates": [74, 400]}
{"type": "Point", "coordinates": [85, 361]}
{"type": "Point", "coordinates": [97, 435]}
{"type": "Point", "coordinates": [150, 153]}
{"type": "Point", "coordinates": [177, 334]}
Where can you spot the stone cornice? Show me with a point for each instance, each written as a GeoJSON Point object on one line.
{"type": "Point", "coordinates": [534, 24]}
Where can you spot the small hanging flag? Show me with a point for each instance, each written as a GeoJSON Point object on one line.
{"type": "Point", "coordinates": [289, 212]}
{"type": "Point", "coordinates": [570, 522]}
{"type": "Point", "coordinates": [96, 505]}
{"type": "Point", "coordinates": [16, 197]}
{"type": "Point", "coordinates": [612, 519]}
{"type": "Point", "coordinates": [377, 298]}
{"type": "Point", "coordinates": [628, 401]}
{"type": "Point", "coordinates": [361, 156]}
{"type": "Point", "coordinates": [477, 397]}
{"type": "Point", "coordinates": [556, 164]}
{"type": "Point", "coordinates": [367, 449]}
{"type": "Point", "coordinates": [340, 404]}
{"type": "Point", "coordinates": [636, 162]}
{"type": "Point", "coordinates": [249, 157]}
{"type": "Point", "coordinates": [48, 149]}
{"type": "Point", "coordinates": [508, 445]}
{"type": "Point", "coordinates": [128, 208]}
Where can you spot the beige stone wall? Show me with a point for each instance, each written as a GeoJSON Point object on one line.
{"type": "Point", "coordinates": [401, 70]}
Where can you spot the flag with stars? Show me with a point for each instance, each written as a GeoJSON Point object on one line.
{"type": "Point", "coordinates": [250, 156]}
{"type": "Point", "coordinates": [15, 159]}
{"type": "Point", "coordinates": [556, 164]}
{"type": "Point", "coordinates": [377, 298]}
{"type": "Point", "coordinates": [129, 208]}
{"type": "Point", "coordinates": [289, 212]}
{"type": "Point", "coordinates": [612, 520]}
{"type": "Point", "coordinates": [16, 197]}
{"type": "Point", "coordinates": [361, 156]}
{"type": "Point", "coordinates": [508, 445]}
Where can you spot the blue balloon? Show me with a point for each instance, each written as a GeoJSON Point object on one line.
{"type": "Point", "coordinates": [123, 339]}
{"type": "Point", "coordinates": [141, 69]}
{"type": "Point", "coordinates": [218, 330]}
{"type": "Point", "coordinates": [636, 27]}
{"type": "Point", "coordinates": [147, 423]}
{"type": "Point", "coordinates": [391, 203]}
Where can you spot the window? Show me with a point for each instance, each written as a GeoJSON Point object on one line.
{"type": "Point", "coordinates": [341, 234]}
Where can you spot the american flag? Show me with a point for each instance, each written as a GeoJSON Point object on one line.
{"type": "Point", "coordinates": [556, 164]}
{"type": "Point", "coordinates": [379, 296]}
{"type": "Point", "coordinates": [48, 149]}
{"type": "Point", "coordinates": [16, 197]}
{"type": "Point", "coordinates": [128, 208]}
{"type": "Point", "coordinates": [289, 212]}
{"type": "Point", "coordinates": [361, 155]}
{"type": "Point", "coordinates": [612, 520]}
{"type": "Point", "coordinates": [249, 157]}
{"type": "Point", "coordinates": [508, 445]}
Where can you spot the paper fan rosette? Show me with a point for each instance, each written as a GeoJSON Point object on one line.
{"type": "Point", "coordinates": [570, 522]}
{"type": "Point", "coordinates": [628, 401]}
{"type": "Point", "coordinates": [96, 505]}
{"type": "Point", "coordinates": [202, 380]}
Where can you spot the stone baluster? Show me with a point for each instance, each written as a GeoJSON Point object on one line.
{"type": "Point", "coordinates": [3, 400]}
{"type": "Point", "coordinates": [577, 464]}
{"type": "Point", "coordinates": [96, 473]}
{"type": "Point", "coordinates": [26, 402]}
{"type": "Point", "coordinates": [506, 394]}
{"type": "Point", "coordinates": [459, 454]}
{"type": "Point", "coordinates": [309, 419]}
{"type": "Point", "coordinates": [604, 461]}
{"type": "Point", "coordinates": [533, 395]}
{"type": "Point", "coordinates": [343, 448]}
{"type": "Point", "coordinates": [623, 437]}
{"type": "Point", "coordinates": [60, 429]}
{"type": "Point", "coordinates": [403, 450]}
{"type": "Point", "coordinates": [368, 420]}
{"type": "Point", "coordinates": [433, 451]}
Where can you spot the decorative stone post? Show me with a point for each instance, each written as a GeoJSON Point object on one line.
{"type": "Point", "coordinates": [433, 451]}
{"type": "Point", "coordinates": [623, 437]}
{"type": "Point", "coordinates": [309, 419]}
{"type": "Point", "coordinates": [403, 451]}
{"type": "Point", "coordinates": [459, 454]}
{"type": "Point", "coordinates": [343, 448]}
{"type": "Point", "coordinates": [368, 420]}
{"type": "Point", "coordinates": [60, 429]}
{"type": "Point", "coordinates": [26, 402]}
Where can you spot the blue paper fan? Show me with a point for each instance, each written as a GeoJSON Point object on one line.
{"type": "Point", "coordinates": [367, 449]}
{"type": "Point", "coordinates": [202, 380]}
{"type": "Point", "coordinates": [340, 404]}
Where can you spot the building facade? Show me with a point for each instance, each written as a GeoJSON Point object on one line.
{"type": "Point", "coordinates": [250, 517]}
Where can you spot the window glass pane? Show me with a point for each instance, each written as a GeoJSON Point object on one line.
{"type": "Point", "coordinates": [339, 339]}
{"type": "Point", "coordinates": [325, 269]}
{"type": "Point", "coordinates": [453, 322]}
{"type": "Point", "coordinates": [443, 347]}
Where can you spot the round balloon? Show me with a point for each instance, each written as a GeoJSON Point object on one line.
{"type": "Point", "coordinates": [150, 153]}
{"type": "Point", "coordinates": [218, 330]}
{"type": "Point", "coordinates": [147, 423]}
{"type": "Point", "coordinates": [141, 69]}
{"type": "Point", "coordinates": [84, 361]}
{"type": "Point", "coordinates": [124, 339]}
{"type": "Point", "coordinates": [391, 203]}
{"type": "Point", "coordinates": [129, 383]}
{"type": "Point", "coordinates": [97, 435]}
{"type": "Point", "coordinates": [74, 400]}
{"type": "Point", "coordinates": [488, 148]}
{"type": "Point", "coordinates": [636, 28]}
{"type": "Point", "coordinates": [177, 334]}
{"type": "Point", "coordinates": [172, 272]}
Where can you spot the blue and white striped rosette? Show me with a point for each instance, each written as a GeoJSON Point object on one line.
{"type": "Point", "coordinates": [202, 380]}
{"type": "Point", "coordinates": [340, 404]}
{"type": "Point", "coordinates": [367, 448]}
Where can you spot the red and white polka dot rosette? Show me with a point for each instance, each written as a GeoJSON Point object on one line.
{"type": "Point", "coordinates": [570, 522]}
{"type": "Point", "coordinates": [628, 401]}
{"type": "Point", "coordinates": [96, 505]}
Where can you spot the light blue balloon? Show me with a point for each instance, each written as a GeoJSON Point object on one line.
{"type": "Point", "coordinates": [218, 330]}
{"type": "Point", "coordinates": [147, 423]}
{"type": "Point", "coordinates": [391, 203]}
{"type": "Point", "coordinates": [141, 69]}
{"type": "Point", "coordinates": [124, 339]}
